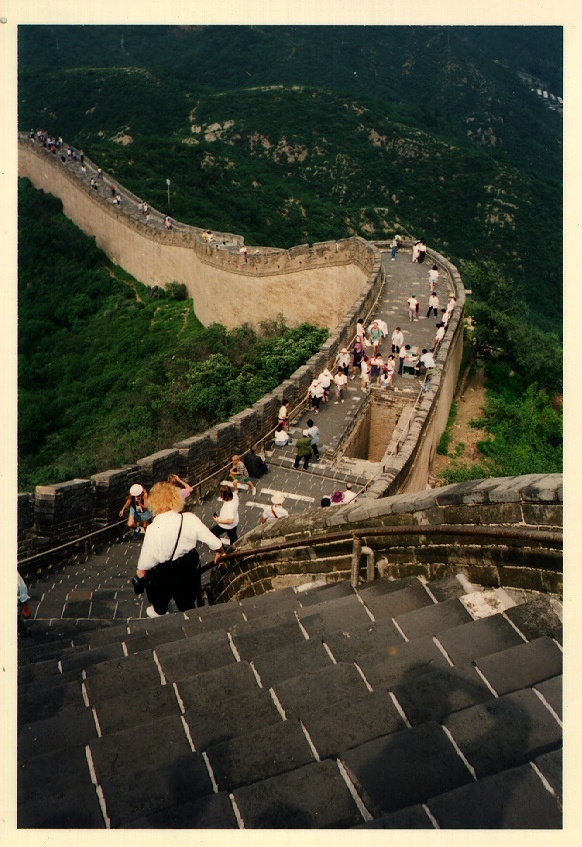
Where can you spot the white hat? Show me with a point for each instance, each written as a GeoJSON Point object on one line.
{"type": "Point", "coordinates": [136, 489]}
{"type": "Point", "coordinates": [278, 498]}
{"type": "Point", "coordinates": [305, 432]}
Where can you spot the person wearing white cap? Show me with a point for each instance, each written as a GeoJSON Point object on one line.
{"type": "Point", "coordinates": [275, 510]}
{"type": "Point", "coordinates": [139, 513]}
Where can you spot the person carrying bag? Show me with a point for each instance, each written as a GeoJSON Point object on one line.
{"type": "Point", "coordinates": [168, 566]}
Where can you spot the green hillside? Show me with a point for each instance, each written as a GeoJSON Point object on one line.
{"type": "Point", "coordinates": [110, 371]}
{"type": "Point", "coordinates": [285, 135]}
{"type": "Point", "coordinates": [272, 133]}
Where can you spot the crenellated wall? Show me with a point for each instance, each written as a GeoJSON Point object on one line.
{"type": "Point", "coordinates": [500, 532]}
{"type": "Point", "coordinates": [58, 514]}
{"type": "Point", "coordinates": [316, 284]}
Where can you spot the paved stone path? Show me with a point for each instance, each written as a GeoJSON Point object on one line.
{"type": "Point", "coordinates": [304, 489]}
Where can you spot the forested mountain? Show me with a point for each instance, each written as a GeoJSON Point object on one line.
{"type": "Point", "coordinates": [285, 135]}
{"type": "Point", "coordinates": [298, 134]}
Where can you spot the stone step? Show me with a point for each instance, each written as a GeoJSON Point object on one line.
{"type": "Point", "coordinates": [390, 604]}
{"type": "Point", "coordinates": [76, 809]}
{"type": "Point", "coordinates": [81, 658]}
{"type": "Point", "coordinates": [551, 691]}
{"type": "Point", "coordinates": [522, 666]}
{"type": "Point", "coordinates": [504, 732]}
{"type": "Point", "coordinates": [323, 620]}
{"type": "Point", "coordinates": [53, 774]}
{"type": "Point", "coordinates": [140, 745]}
{"type": "Point", "coordinates": [313, 797]}
{"type": "Point", "coordinates": [32, 653]}
{"type": "Point", "coordinates": [385, 669]}
{"type": "Point", "coordinates": [550, 764]}
{"type": "Point", "coordinates": [324, 593]}
{"type": "Point", "coordinates": [211, 812]}
{"type": "Point", "coordinates": [432, 696]}
{"type": "Point", "coordinates": [513, 799]}
{"type": "Point", "coordinates": [224, 684]}
{"type": "Point", "coordinates": [391, 773]}
{"type": "Point", "coordinates": [138, 793]}
{"type": "Point", "coordinates": [347, 723]}
{"type": "Point", "coordinates": [430, 620]}
{"type": "Point", "coordinates": [471, 641]}
{"type": "Point", "coordinates": [195, 655]}
{"type": "Point", "coordinates": [71, 727]}
{"type": "Point", "coordinates": [350, 642]}
{"type": "Point", "coordinates": [218, 722]}
{"type": "Point", "coordinates": [285, 599]}
{"type": "Point", "coordinates": [251, 643]}
{"type": "Point", "coordinates": [535, 618]}
{"type": "Point", "coordinates": [275, 665]}
{"type": "Point", "coordinates": [413, 817]}
{"type": "Point", "coordinates": [256, 756]}
{"type": "Point", "coordinates": [310, 691]}
{"type": "Point", "coordinates": [39, 701]}
{"type": "Point", "coordinates": [155, 701]}
{"type": "Point", "coordinates": [380, 587]}
{"type": "Point", "coordinates": [126, 675]}
{"type": "Point", "coordinates": [450, 586]}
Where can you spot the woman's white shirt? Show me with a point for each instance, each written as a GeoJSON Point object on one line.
{"type": "Point", "coordinates": [162, 533]}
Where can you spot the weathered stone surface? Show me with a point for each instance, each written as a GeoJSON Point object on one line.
{"type": "Point", "coordinates": [432, 696]}
{"type": "Point", "coordinates": [259, 755]}
{"type": "Point", "coordinates": [214, 812]}
{"type": "Point", "coordinates": [314, 796]}
{"type": "Point", "coordinates": [392, 773]}
{"type": "Point", "coordinates": [515, 799]}
{"type": "Point", "coordinates": [522, 666]}
{"type": "Point", "coordinates": [504, 733]}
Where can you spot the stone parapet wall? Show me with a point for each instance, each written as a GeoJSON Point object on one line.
{"type": "Point", "coordinates": [304, 283]}
{"type": "Point", "coordinates": [511, 510]}
{"type": "Point", "coordinates": [203, 457]}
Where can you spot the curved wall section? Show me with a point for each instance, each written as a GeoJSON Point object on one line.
{"type": "Point", "coordinates": [317, 284]}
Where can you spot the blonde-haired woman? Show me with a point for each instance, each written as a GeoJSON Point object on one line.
{"type": "Point", "coordinates": [169, 563]}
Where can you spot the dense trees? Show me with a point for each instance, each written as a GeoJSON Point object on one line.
{"type": "Point", "coordinates": [106, 372]}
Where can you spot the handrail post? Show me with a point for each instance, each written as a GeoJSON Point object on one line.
{"type": "Point", "coordinates": [356, 553]}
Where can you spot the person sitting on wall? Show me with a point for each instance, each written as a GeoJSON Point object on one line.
{"type": "Point", "coordinates": [281, 436]}
{"type": "Point", "coordinates": [254, 464]}
{"type": "Point", "coordinates": [140, 515]}
{"type": "Point", "coordinates": [238, 473]}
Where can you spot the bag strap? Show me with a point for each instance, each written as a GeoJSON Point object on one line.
{"type": "Point", "coordinates": [178, 538]}
{"type": "Point", "coordinates": [275, 515]}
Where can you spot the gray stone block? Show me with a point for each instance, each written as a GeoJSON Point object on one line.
{"type": "Point", "coordinates": [433, 696]}
{"type": "Point", "coordinates": [522, 666]}
{"type": "Point", "coordinates": [479, 638]}
{"type": "Point", "coordinates": [315, 690]}
{"type": "Point", "coordinates": [405, 768]}
{"type": "Point", "coordinates": [551, 691]}
{"type": "Point", "coordinates": [77, 809]}
{"type": "Point", "coordinates": [504, 733]}
{"type": "Point", "coordinates": [312, 797]}
{"type": "Point", "coordinates": [259, 755]}
{"type": "Point", "coordinates": [221, 721]}
{"type": "Point", "coordinates": [550, 765]}
{"type": "Point", "coordinates": [214, 812]}
{"type": "Point", "coordinates": [384, 669]}
{"type": "Point", "coordinates": [348, 723]}
{"type": "Point", "coordinates": [139, 793]}
{"type": "Point", "coordinates": [515, 799]}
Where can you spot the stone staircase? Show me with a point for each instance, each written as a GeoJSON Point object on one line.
{"type": "Point", "coordinates": [404, 704]}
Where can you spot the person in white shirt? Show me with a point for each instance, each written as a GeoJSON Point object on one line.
{"type": "Point", "coordinates": [315, 394]}
{"type": "Point", "coordinates": [365, 372]}
{"type": "Point", "coordinates": [349, 495]}
{"type": "Point", "coordinates": [439, 336]}
{"type": "Point", "coordinates": [275, 510]}
{"type": "Point", "coordinates": [451, 304]}
{"type": "Point", "coordinates": [412, 303]}
{"type": "Point", "coordinates": [313, 432]}
{"type": "Point", "coordinates": [343, 360]}
{"type": "Point", "coordinates": [168, 562]}
{"type": "Point", "coordinates": [281, 436]}
{"type": "Point", "coordinates": [228, 518]}
{"type": "Point", "coordinates": [397, 340]}
{"type": "Point", "coordinates": [433, 277]}
{"type": "Point", "coordinates": [433, 304]}
{"type": "Point", "coordinates": [340, 380]}
{"type": "Point", "coordinates": [427, 359]}
{"type": "Point", "coordinates": [325, 379]}
{"type": "Point", "coordinates": [283, 414]}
